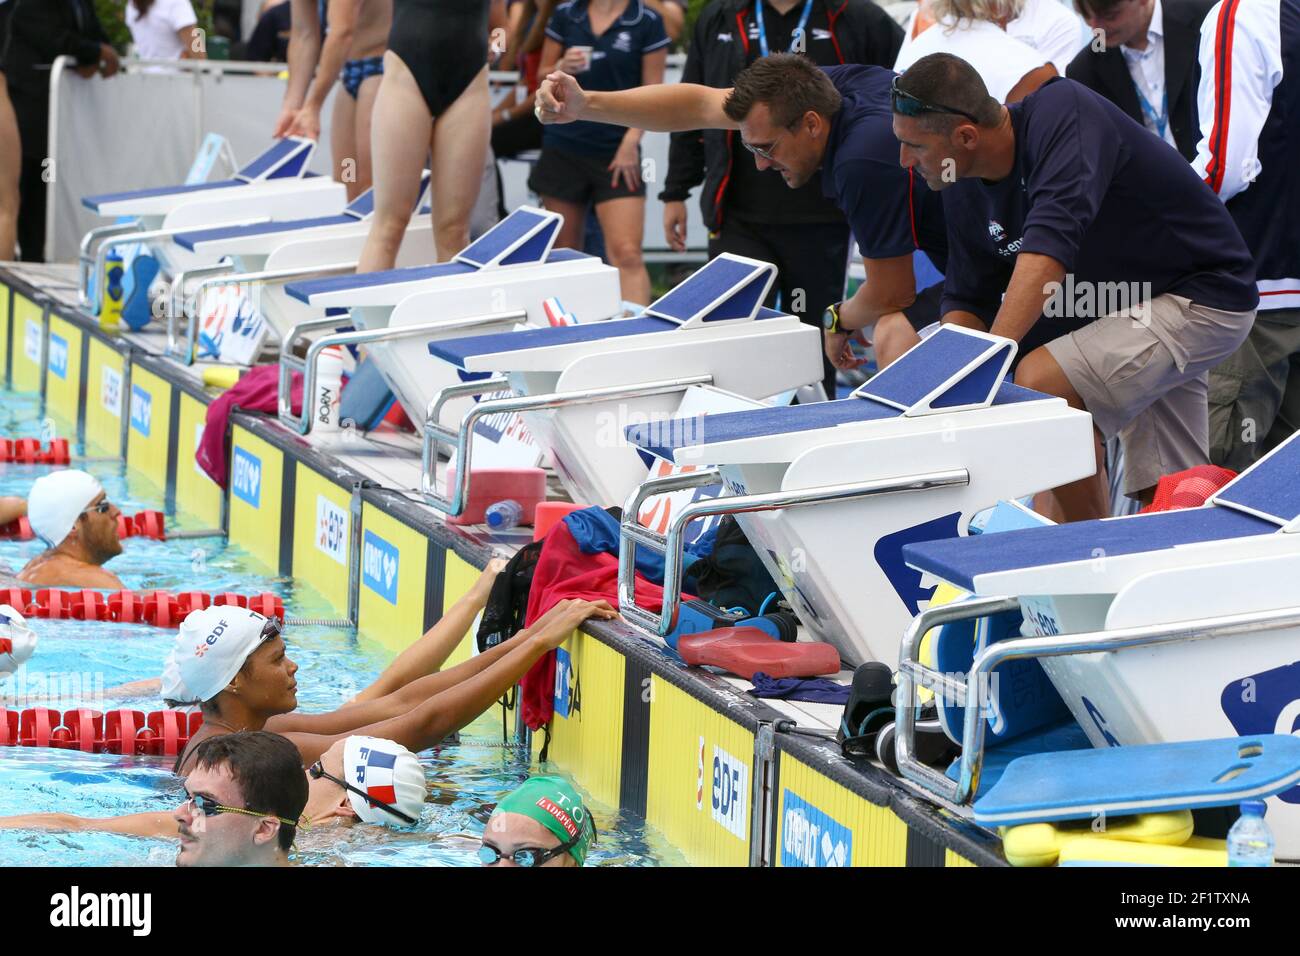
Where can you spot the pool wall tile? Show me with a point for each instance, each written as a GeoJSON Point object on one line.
{"type": "Point", "coordinates": [28, 330]}
{"type": "Point", "coordinates": [196, 494]}
{"type": "Point", "coordinates": [256, 478]}
{"type": "Point", "coordinates": [149, 405]}
{"type": "Point", "coordinates": [106, 397]}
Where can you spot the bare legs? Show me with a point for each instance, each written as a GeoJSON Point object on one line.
{"type": "Point", "coordinates": [458, 142]}
{"type": "Point", "coordinates": [10, 170]}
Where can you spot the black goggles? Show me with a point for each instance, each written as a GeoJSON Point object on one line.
{"type": "Point", "coordinates": [209, 807]}
{"type": "Point", "coordinates": [317, 770]}
{"type": "Point", "coordinates": [905, 104]}
{"type": "Point", "coordinates": [529, 856]}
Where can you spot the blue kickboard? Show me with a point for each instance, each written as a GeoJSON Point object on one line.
{"type": "Point", "coordinates": [1269, 487]}
{"type": "Point", "coordinates": [960, 560]}
{"type": "Point", "coordinates": [921, 370]}
{"type": "Point", "coordinates": [1153, 778]}
{"type": "Point", "coordinates": [703, 288]}
{"type": "Point", "coordinates": [104, 199]}
{"type": "Point", "coordinates": [188, 240]}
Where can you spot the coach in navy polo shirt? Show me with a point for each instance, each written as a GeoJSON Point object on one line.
{"type": "Point", "coordinates": [1076, 212]}
{"type": "Point", "coordinates": [797, 118]}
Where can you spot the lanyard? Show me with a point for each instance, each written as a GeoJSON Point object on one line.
{"type": "Point", "coordinates": [762, 31]}
{"type": "Point", "coordinates": [1159, 120]}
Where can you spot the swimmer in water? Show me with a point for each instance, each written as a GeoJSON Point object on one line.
{"type": "Point", "coordinates": [70, 512]}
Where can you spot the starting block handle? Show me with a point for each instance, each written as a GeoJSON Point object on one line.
{"type": "Point", "coordinates": [301, 423]}
{"type": "Point", "coordinates": [673, 543]}
{"type": "Point", "coordinates": [436, 434]}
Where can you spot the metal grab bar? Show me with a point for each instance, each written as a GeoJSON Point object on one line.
{"type": "Point", "coordinates": [436, 434]}
{"type": "Point", "coordinates": [307, 366]}
{"type": "Point", "coordinates": [192, 313]}
{"type": "Point", "coordinates": [1057, 645]}
{"type": "Point", "coordinates": [671, 544]}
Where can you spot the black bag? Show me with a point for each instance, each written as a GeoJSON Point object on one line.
{"type": "Point", "coordinates": [733, 575]}
{"type": "Point", "coordinates": [507, 604]}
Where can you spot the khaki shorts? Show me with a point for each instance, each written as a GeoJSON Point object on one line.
{"type": "Point", "coordinates": [1142, 375]}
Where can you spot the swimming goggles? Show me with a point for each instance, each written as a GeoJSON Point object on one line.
{"type": "Point", "coordinates": [526, 855]}
{"type": "Point", "coordinates": [210, 808]}
{"type": "Point", "coordinates": [906, 104]}
{"type": "Point", "coordinates": [317, 770]}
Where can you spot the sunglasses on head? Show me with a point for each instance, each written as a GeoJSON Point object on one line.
{"type": "Point", "coordinates": [526, 855]}
{"type": "Point", "coordinates": [317, 770]}
{"type": "Point", "coordinates": [905, 104]}
{"type": "Point", "coordinates": [208, 807]}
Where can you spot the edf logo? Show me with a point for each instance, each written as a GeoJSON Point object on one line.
{"type": "Point", "coordinates": [141, 410]}
{"type": "Point", "coordinates": [379, 566]}
{"type": "Point", "coordinates": [730, 792]}
{"type": "Point", "coordinates": [1266, 703]}
{"type": "Point", "coordinates": [246, 477]}
{"type": "Point", "coordinates": [58, 355]}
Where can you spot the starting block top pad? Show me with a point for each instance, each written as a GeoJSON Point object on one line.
{"type": "Point", "coordinates": [458, 351]}
{"type": "Point", "coordinates": [955, 368]}
{"type": "Point", "coordinates": [304, 291]}
{"type": "Point", "coordinates": [283, 159]}
{"type": "Point", "coordinates": [1270, 488]}
{"type": "Point", "coordinates": [1151, 778]}
{"type": "Point", "coordinates": [785, 420]}
{"type": "Point", "coordinates": [726, 288]}
{"type": "Point", "coordinates": [960, 560]}
{"type": "Point", "coordinates": [526, 235]}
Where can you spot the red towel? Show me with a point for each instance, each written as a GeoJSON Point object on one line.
{"type": "Point", "coordinates": [1189, 489]}
{"type": "Point", "coordinates": [256, 391]}
{"type": "Point", "coordinates": [564, 572]}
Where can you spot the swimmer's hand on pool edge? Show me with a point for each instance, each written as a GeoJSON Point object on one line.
{"type": "Point", "coordinates": [557, 625]}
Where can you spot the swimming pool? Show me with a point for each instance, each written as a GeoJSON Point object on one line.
{"type": "Point", "coordinates": [76, 661]}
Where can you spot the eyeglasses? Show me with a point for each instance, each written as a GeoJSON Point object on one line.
{"type": "Point", "coordinates": [906, 104]}
{"type": "Point", "coordinates": [526, 855]}
{"type": "Point", "coordinates": [210, 808]}
{"type": "Point", "coordinates": [765, 151]}
{"type": "Point", "coordinates": [317, 770]}
{"type": "Point", "coordinates": [104, 507]}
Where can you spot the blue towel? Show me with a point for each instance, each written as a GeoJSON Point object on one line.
{"type": "Point", "coordinates": [818, 690]}
{"type": "Point", "coordinates": [596, 530]}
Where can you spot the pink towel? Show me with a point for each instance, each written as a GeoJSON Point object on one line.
{"type": "Point", "coordinates": [256, 391]}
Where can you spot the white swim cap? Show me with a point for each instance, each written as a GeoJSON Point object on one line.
{"type": "Point", "coordinates": [389, 773]}
{"type": "Point", "coordinates": [209, 651]}
{"type": "Point", "coordinates": [57, 500]}
{"type": "Point", "coordinates": [17, 640]}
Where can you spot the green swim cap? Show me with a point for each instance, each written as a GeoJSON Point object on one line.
{"type": "Point", "coordinates": [555, 804]}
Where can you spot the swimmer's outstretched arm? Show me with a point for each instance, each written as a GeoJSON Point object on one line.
{"type": "Point", "coordinates": [431, 651]}
{"type": "Point", "coordinates": [351, 716]}
{"type": "Point", "coordinates": [662, 107]}
{"type": "Point", "coordinates": [159, 824]}
{"type": "Point", "coordinates": [429, 723]}
{"type": "Point", "coordinates": [12, 508]}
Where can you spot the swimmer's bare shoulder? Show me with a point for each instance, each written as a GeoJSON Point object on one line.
{"type": "Point", "coordinates": [59, 570]}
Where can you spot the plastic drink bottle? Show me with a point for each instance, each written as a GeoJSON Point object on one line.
{"type": "Point", "coordinates": [1250, 842]}
{"type": "Point", "coordinates": [504, 515]}
{"type": "Point", "coordinates": [329, 383]}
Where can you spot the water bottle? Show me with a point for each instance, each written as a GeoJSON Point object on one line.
{"type": "Point", "coordinates": [110, 308]}
{"type": "Point", "coordinates": [1250, 842]}
{"type": "Point", "coordinates": [329, 382]}
{"type": "Point", "coordinates": [504, 515]}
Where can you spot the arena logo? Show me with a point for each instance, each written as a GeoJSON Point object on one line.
{"type": "Point", "coordinates": [141, 410]}
{"type": "Point", "coordinates": [811, 837]}
{"type": "Point", "coordinates": [246, 478]}
{"type": "Point", "coordinates": [379, 562]}
{"type": "Point", "coordinates": [58, 355]}
{"type": "Point", "coordinates": [1092, 300]}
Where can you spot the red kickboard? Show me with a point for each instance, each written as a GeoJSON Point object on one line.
{"type": "Point", "coordinates": [744, 651]}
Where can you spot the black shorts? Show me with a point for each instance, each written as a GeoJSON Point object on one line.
{"type": "Point", "coordinates": [578, 178]}
{"type": "Point", "coordinates": [924, 310]}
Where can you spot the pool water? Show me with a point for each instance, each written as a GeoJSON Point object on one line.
{"type": "Point", "coordinates": [78, 663]}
